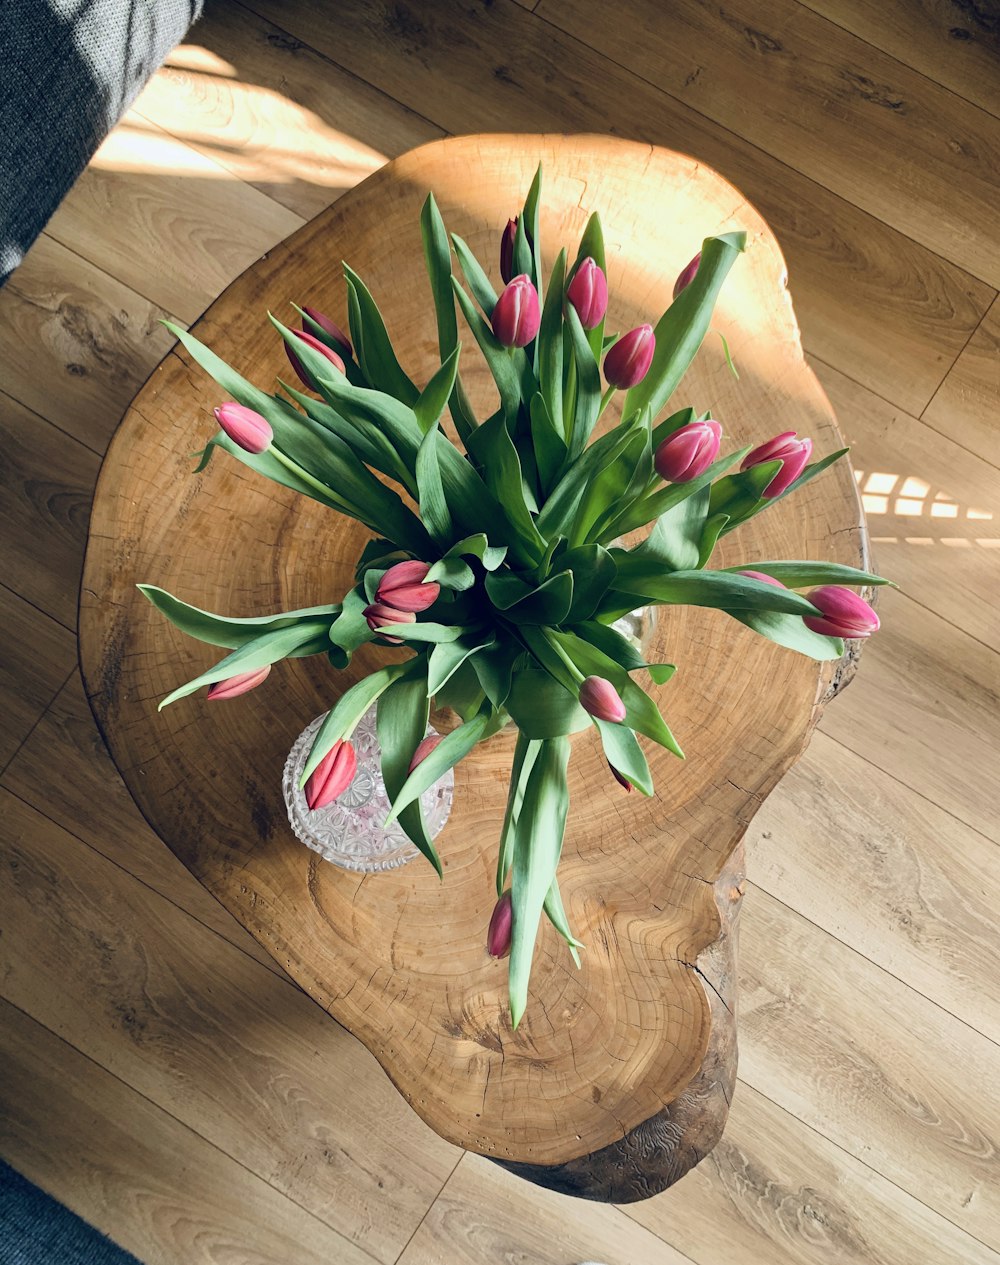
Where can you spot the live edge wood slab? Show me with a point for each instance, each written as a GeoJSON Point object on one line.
{"type": "Point", "coordinates": [619, 1078]}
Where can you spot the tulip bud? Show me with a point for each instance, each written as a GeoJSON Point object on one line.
{"type": "Point", "coordinates": [629, 359]}
{"type": "Point", "coordinates": [331, 328]}
{"type": "Point", "coordinates": [507, 250]}
{"type": "Point", "coordinates": [689, 451]}
{"type": "Point", "coordinates": [380, 616]}
{"type": "Point", "coordinates": [620, 778]}
{"type": "Point", "coordinates": [311, 341]}
{"type": "Point", "coordinates": [501, 928]}
{"type": "Point", "coordinates": [588, 293]}
{"type": "Point", "coordinates": [517, 315]}
{"type": "Point", "coordinates": [686, 275]}
{"type": "Point", "coordinates": [424, 748]}
{"type": "Point", "coordinates": [843, 613]}
{"type": "Point", "coordinates": [403, 587]}
{"type": "Point", "coordinates": [241, 683]}
{"type": "Point", "coordinates": [601, 699]}
{"type": "Point", "coordinates": [244, 427]}
{"type": "Point", "coordinates": [787, 448]}
{"type": "Point", "coordinates": [764, 579]}
{"type": "Point", "coordinates": [332, 776]}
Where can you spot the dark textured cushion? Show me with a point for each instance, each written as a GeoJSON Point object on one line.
{"type": "Point", "coordinates": [69, 69]}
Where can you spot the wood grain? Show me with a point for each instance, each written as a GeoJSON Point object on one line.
{"type": "Point", "coordinates": [133, 1171]}
{"type": "Point", "coordinates": [893, 141]}
{"type": "Point", "coordinates": [220, 226]}
{"type": "Point", "coordinates": [954, 42]}
{"type": "Point", "coordinates": [410, 976]}
{"type": "Point", "coordinates": [38, 657]}
{"type": "Point", "coordinates": [867, 296]}
{"type": "Point", "coordinates": [77, 343]}
{"type": "Point", "coordinates": [276, 114]}
{"type": "Point", "coordinates": [968, 401]}
{"type": "Point", "coordinates": [244, 1060]}
{"type": "Point", "coordinates": [47, 481]}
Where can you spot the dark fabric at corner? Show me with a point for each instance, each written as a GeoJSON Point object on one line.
{"type": "Point", "coordinates": [69, 69]}
{"type": "Point", "coordinates": [36, 1230]}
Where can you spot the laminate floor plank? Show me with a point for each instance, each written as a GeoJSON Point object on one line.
{"type": "Point", "coordinates": [46, 486]}
{"type": "Point", "coordinates": [130, 1169]}
{"type": "Point", "coordinates": [246, 1060]}
{"type": "Point", "coordinates": [38, 656]}
{"type": "Point", "coordinates": [274, 113]}
{"type": "Point", "coordinates": [895, 143]}
{"type": "Point", "coordinates": [870, 301]}
{"type": "Point", "coordinates": [955, 44]}
{"type": "Point", "coordinates": [968, 401]}
{"type": "Point", "coordinates": [64, 771]}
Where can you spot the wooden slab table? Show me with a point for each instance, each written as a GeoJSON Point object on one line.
{"type": "Point", "coordinates": [620, 1076]}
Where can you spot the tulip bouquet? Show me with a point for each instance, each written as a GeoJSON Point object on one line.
{"type": "Point", "coordinates": [502, 568]}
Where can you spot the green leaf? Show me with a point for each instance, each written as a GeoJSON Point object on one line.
{"type": "Point", "coordinates": [433, 505]}
{"type": "Point", "coordinates": [523, 603]}
{"type": "Point", "coordinates": [550, 352]}
{"type": "Point", "coordinates": [525, 751]}
{"type": "Point", "coordinates": [675, 541]}
{"type": "Point", "coordinates": [529, 227]}
{"type": "Point", "coordinates": [451, 573]}
{"type": "Point", "coordinates": [645, 509]}
{"type": "Point", "coordinates": [622, 650]}
{"type": "Point", "coordinates": [588, 387]}
{"type": "Point", "coordinates": [739, 495]}
{"type": "Point", "coordinates": [372, 344]}
{"type": "Point", "coordinates": [429, 631]}
{"type": "Point", "coordinates": [494, 669]}
{"type": "Point", "coordinates": [218, 630]}
{"type": "Point", "coordinates": [681, 329]}
{"type": "Point", "coordinates": [542, 707]}
{"type": "Point", "coordinates": [564, 502]}
{"type": "Point", "coordinates": [622, 751]}
{"type": "Point", "coordinates": [437, 254]}
{"type": "Point", "coordinates": [714, 527]}
{"type": "Point", "coordinates": [478, 546]}
{"type": "Point", "coordinates": [448, 656]}
{"type": "Point", "coordinates": [548, 443]}
{"type": "Point", "coordinates": [538, 838]}
{"type": "Point", "coordinates": [436, 394]}
{"type": "Point", "coordinates": [663, 430]}
{"type": "Point", "coordinates": [810, 472]}
{"type": "Point", "coordinates": [350, 629]}
{"type": "Point", "coordinates": [499, 359]}
{"type": "Point", "coordinates": [720, 589]}
{"type": "Point", "coordinates": [297, 641]}
{"type": "Point", "coordinates": [800, 575]}
{"type": "Point", "coordinates": [592, 245]}
{"type": "Point", "coordinates": [478, 282]}
{"type": "Point", "coordinates": [789, 631]}
{"type": "Point", "coordinates": [593, 570]}
{"type": "Point", "coordinates": [343, 717]}
{"type": "Point", "coordinates": [557, 916]}
{"type": "Point", "coordinates": [401, 725]}
{"type": "Point", "coordinates": [452, 748]}
{"type": "Point", "coordinates": [608, 484]}
{"type": "Point", "coordinates": [351, 367]}
{"type": "Point", "coordinates": [494, 449]}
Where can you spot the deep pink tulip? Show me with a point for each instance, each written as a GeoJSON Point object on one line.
{"type": "Point", "coordinates": [244, 427]}
{"type": "Point", "coordinates": [689, 451]}
{"type": "Point", "coordinates": [311, 341]}
{"type": "Point", "coordinates": [787, 448]}
{"type": "Point", "coordinates": [588, 293]}
{"type": "Point", "coordinates": [601, 699]}
{"type": "Point", "coordinates": [629, 359]}
{"type": "Point", "coordinates": [686, 275]}
{"type": "Point", "coordinates": [380, 617]}
{"type": "Point", "coordinates": [403, 587]}
{"type": "Point", "coordinates": [501, 928]}
{"type": "Point", "coordinates": [332, 776]}
{"type": "Point", "coordinates": [517, 314]}
{"type": "Point", "coordinates": [331, 328]}
{"type": "Point", "coordinates": [620, 778]}
{"type": "Point", "coordinates": [424, 748]}
{"type": "Point", "coordinates": [845, 614]}
{"type": "Point", "coordinates": [507, 250]}
{"type": "Point", "coordinates": [241, 683]}
{"type": "Point", "coordinates": [764, 579]}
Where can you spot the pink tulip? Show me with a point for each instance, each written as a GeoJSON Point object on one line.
{"type": "Point", "coordinates": [601, 699]}
{"type": "Point", "coordinates": [311, 341]}
{"type": "Point", "coordinates": [517, 314]}
{"type": "Point", "coordinates": [628, 361]}
{"type": "Point", "coordinates": [844, 614]}
{"type": "Point", "coordinates": [588, 293]}
{"type": "Point", "coordinates": [620, 778]}
{"type": "Point", "coordinates": [424, 748]}
{"type": "Point", "coordinates": [501, 928]}
{"type": "Point", "coordinates": [764, 579]}
{"type": "Point", "coordinates": [689, 451]}
{"type": "Point", "coordinates": [331, 328]}
{"type": "Point", "coordinates": [245, 428]}
{"type": "Point", "coordinates": [507, 250]}
{"type": "Point", "coordinates": [241, 683]}
{"type": "Point", "coordinates": [793, 452]}
{"type": "Point", "coordinates": [403, 587]}
{"type": "Point", "coordinates": [332, 776]}
{"type": "Point", "coordinates": [686, 275]}
{"type": "Point", "coordinates": [380, 616]}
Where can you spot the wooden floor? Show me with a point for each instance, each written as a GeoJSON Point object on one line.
{"type": "Point", "coordinates": [159, 1074]}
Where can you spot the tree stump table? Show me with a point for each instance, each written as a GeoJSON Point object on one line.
{"type": "Point", "coordinates": [619, 1078]}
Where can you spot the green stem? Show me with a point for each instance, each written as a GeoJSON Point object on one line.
{"type": "Point", "coordinates": [571, 667]}
{"type": "Point", "coordinates": [306, 477]}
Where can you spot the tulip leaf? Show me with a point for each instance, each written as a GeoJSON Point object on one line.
{"type": "Point", "coordinates": [478, 546]}
{"type": "Point", "coordinates": [609, 483]}
{"type": "Point", "coordinates": [682, 328]}
{"type": "Point", "coordinates": [622, 650]}
{"type": "Point", "coordinates": [378, 553]}
{"type": "Point", "coordinates": [538, 839]}
{"type": "Point", "coordinates": [218, 630]}
{"type": "Point", "coordinates": [494, 668]}
{"type": "Point", "coordinates": [550, 352]}
{"type": "Point", "coordinates": [476, 279]}
{"type": "Point", "coordinates": [436, 394]}
{"type": "Point", "coordinates": [499, 358]}
{"type": "Point", "coordinates": [588, 386]}
{"type": "Point", "coordinates": [714, 527]}
{"type": "Point", "coordinates": [556, 914]}
{"type": "Point", "coordinates": [429, 631]}
{"type": "Point", "coordinates": [720, 589]}
{"type": "Point", "coordinates": [789, 631]}
{"type": "Point", "coordinates": [372, 344]}
{"type": "Point", "coordinates": [295, 642]}
{"type": "Point", "coordinates": [495, 451]}
{"type": "Point", "coordinates": [451, 573]}
{"type": "Point", "coordinates": [523, 603]}
{"type": "Point", "coordinates": [525, 751]}
{"type": "Point", "coordinates": [342, 719]}
{"type": "Point", "coordinates": [622, 751]}
{"type": "Point", "coordinates": [564, 501]}
{"type": "Point", "coordinates": [433, 504]}
{"type": "Point", "coordinates": [740, 495]}
{"type": "Point", "coordinates": [401, 725]}
{"type": "Point", "coordinates": [810, 472]}
{"type": "Point", "coordinates": [799, 575]}
{"type": "Point", "coordinates": [452, 748]}
{"type": "Point", "coordinates": [350, 629]}
{"type": "Point", "coordinates": [663, 430]}
{"type": "Point", "coordinates": [593, 570]}
{"type": "Point", "coordinates": [351, 367]}
{"type": "Point", "coordinates": [645, 509]}
{"type": "Point", "coordinates": [592, 246]}
{"type": "Point", "coordinates": [529, 228]}
{"type": "Point", "coordinates": [437, 254]}
{"type": "Point", "coordinates": [675, 541]}
{"type": "Point", "coordinates": [448, 656]}
{"type": "Point", "coordinates": [548, 443]}
{"type": "Point", "coordinates": [542, 707]}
